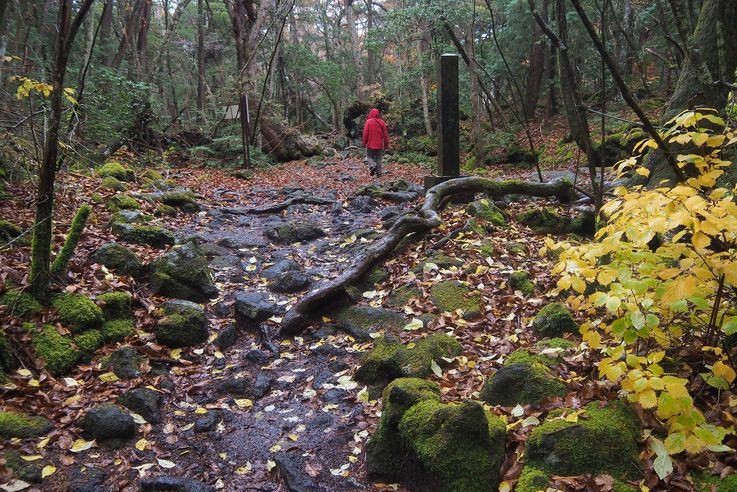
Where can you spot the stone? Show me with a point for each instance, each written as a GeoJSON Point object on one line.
{"type": "Point", "coordinates": [279, 268]}
{"type": "Point", "coordinates": [120, 203]}
{"type": "Point", "coordinates": [119, 259]}
{"type": "Point", "coordinates": [334, 395]}
{"type": "Point", "coordinates": [117, 330]}
{"type": "Point", "coordinates": [108, 424]}
{"type": "Point", "coordinates": [403, 295]}
{"type": "Point", "coordinates": [451, 295]}
{"type": "Point", "coordinates": [262, 385]}
{"type": "Point", "coordinates": [143, 401]}
{"type": "Point", "coordinates": [291, 467]}
{"type": "Point", "coordinates": [242, 241]}
{"type": "Point", "coordinates": [226, 337]}
{"type": "Point", "coordinates": [183, 273]}
{"type": "Point", "coordinates": [253, 307]}
{"type": "Point", "coordinates": [8, 231]}
{"type": "Point", "coordinates": [27, 471]}
{"type": "Point", "coordinates": [174, 484]}
{"type": "Point", "coordinates": [115, 305]}
{"type": "Point", "coordinates": [363, 204]}
{"type": "Point", "coordinates": [544, 221]}
{"type": "Point", "coordinates": [603, 441]}
{"type": "Point", "coordinates": [147, 235]}
{"type": "Point", "coordinates": [86, 479]}
{"type": "Point", "coordinates": [21, 425]}
{"type": "Point", "coordinates": [257, 356]}
{"type": "Point", "coordinates": [294, 232]}
{"type": "Point", "coordinates": [236, 386]}
{"type": "Point", "coordinates": [390, 360]}
{"type": "Point", "coordinates": [290, 281]}
{"type": "Point", "coordinates": [116, 170]}
{"type": "Point", "coordinates": [57, 351]}
{"type": "Point", "coordinates": [184, 324]}
{"type": "Point", "coordinates": [521, 281]}
{"type": "Point", "coordinates": [486, 210]}
{"type": "Point", "coordinates": [361, 321]}
{"type": "Point", "coordinates": [554, 320]}
{"type": "Point", "coordinates": [77, 312]}
{"type": "Point", "coordinates": [208, 422]}
{"type": "Point", "coordinates": [125, 363]}
{"type": "Point", "coordinates": [520, 383]}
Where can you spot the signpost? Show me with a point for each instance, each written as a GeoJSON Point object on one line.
{"type": "Point", "coordinates": [448, 122]}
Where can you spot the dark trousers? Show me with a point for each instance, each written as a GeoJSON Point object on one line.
{"type": "Point", "coordinates": [374, 156]}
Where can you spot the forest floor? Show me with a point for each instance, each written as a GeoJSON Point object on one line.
{"type": "Point", "coordinates": [241, 417]}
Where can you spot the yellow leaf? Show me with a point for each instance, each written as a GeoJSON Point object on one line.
{"type": "Point", "coordinates": [643, 171]}
{"type": "Point", "coordinates": [723, 370]}
{"type": "Point", "coordinates": [578, 285]}
{"type": "Point", "coordinates": [200, 411]}
{"type": "Point", "coordinates": [701, 240]}
{"type": "Point", "coordinates": [47, 471]}
{"type": "Point", "coordinates": [141, 444]}
{"type": "Point", "coordinates": [32, 457]}
{"type": "Point", "coordinates": [108, 377]}
{"type": "Point", "coordinates": [647, 399]}
{"type": "Point", "coordinates": [244, 470]}
{"type": "Point", "coordinates": [694, 444]}
{"type": "Point", "coordinates": [175, 353]}
{"type": "Point", "coordinates": [270, 465]}
{"type": "Point", "coordinates": [244, 403]}
{"type": "Point", "coordinates": [81, 445]}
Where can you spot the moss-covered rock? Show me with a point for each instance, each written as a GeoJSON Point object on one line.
{"type": "Point", "coordinates": [57, 351]}
{"type": "Point", "coordinates": [603, 440]}
{"type": "Point", "coordinates": [517, 248]}
{"type": "Point", "coordinates": [184, 324]}
{"type": "Point", "coordinates": [113, 184]}
{"type": "Point", "coordinates": [182, 200]}
{"type": "Point", "coordinates": [20, 303]}
{"type": "Point", "coordinates": [151, 175]}
{"type": "Point", "coordinates": [116, 170]}
{"type": "Point", "coordinates": [459, 447]}
{"type": "Point", "coordinates": [385, 452]}
{"type": "Point", "coordinates": [522, 356]}
{"type": "Point", "coordinates": [361, 321]}
{"type": "Point", "coordinates": [77, 312]}
{"type": "Point", "coordinates": [125, 363]}
{"type": "Point", "coordinates": [116, 330]}
{"type": "Point", "coordinates": [403, 295]}
{"type": "Point", "coordinates": [115, 305]}
{"type": "Point", "coordinates": [118, 258]}
{"type": "Point", "coordinates": [451, 295]}
{"type": "Point", "coordinates": [183, 273]}
{"type": "Point", "coordinates": [555, 343]}
{"type": "Point", "coordinates": [27, 471]}
{"type": "Point", "coordinates": [375, 276]}
{"type": "Point", "coordinates": [89, 341]}
{"type": "Point", "coordinates": [520, 383]}
{"type": "Point", "coordinates": [8, 231]}
{"type": "Point", "coordinates": [20, 425]}
{"type": "Point", "coordinates": [149, 235]}
{"type": "Point", "coordinates": [166, 210]}
{"type": "Point", "coordinates": [123, 202]}
{"type": "Point", "coordinates": [554, 320]}
{"type": "Point", "coordinates": [294, 232]}
{"type": "Point", "coordinates": [486, 210]}
{"type": "Point", "coordinates": [544, 221]}
{"type": "Point", "coordinates": [532, 480]}
{"type": "Point", "coordinates": [521, 281]}
{"type": "Point", "coordinates": [390, 360]}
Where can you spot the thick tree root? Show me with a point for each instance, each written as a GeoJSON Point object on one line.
{"type": "Point", "coordinates": [278, 207]}
{"type": "Point", "coordinates": [299, 316]}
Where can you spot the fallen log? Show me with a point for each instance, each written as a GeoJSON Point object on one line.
{"type": "Point", "coordinates": [300, 315]}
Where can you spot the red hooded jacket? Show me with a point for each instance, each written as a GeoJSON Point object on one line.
{"type": "Point", "coordinates": [375, 135]}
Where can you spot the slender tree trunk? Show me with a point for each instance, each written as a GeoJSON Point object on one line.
{"type": "Point", "coordinates": [536, 68]}
{"type": "Point", "coordinates": [143, 37]}
{"type": "Point", "coordinates": [355, 49]}
{"type": "Point", "coordinates": [106, 26]}
{"type": "Point", "coordinates": [370, 53]}
{"type": "Point", "coordinates": [423, 91]}
{"type": "Point", "coordinates": [200, 60]}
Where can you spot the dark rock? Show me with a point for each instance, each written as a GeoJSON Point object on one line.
{"type": "Point", "coordinates": [236, 386]}
{"type": "Point", "coordinates": [554, 320]}
{"type": "Point", "coordinates": [86, 479]}
{"type": "Point", "coordinates": [362, 204]}
{"type": "Point", "coordinates": [221, 309]}
{"type": "Point", "coordinates": [148, 235]}
{"type": "Point", "coordinates": [321, 420]}
{"type": "Point", "coordinates": [125, 363]}
{"type": "Point", "coordinates": [294, 232]}
{"type": "Point", "coordinates": [174, 484]}
{"type": "Point", "coordinates": [520, 384]}
{"type": "Point", "coordinates": [337, 208]}
{"type": "Point", "coordinates": [258, 356]}
{"type": "Point", "coordinates": [184, 324]}
{"type": "Point", "coordinates": [253, 307]}
{"type": "Point", "coordinates": [208, 422]}
{"type": "Point", "coordinates": [329, 350]}
{"type": "Point", "coordinates": [243, 241]}
{"type": "Point", "coordinates": [211, 250]}
{"type": "Point", "coordinates": [28, 471]}
{"type": "Point", "coordinates": [226, 337]}
{"type": "Point", "coordinates": [143, 401]}
{"type": "Point", "coordinates": [334, 395]}
{"type": "Point", "coordinates": [291, 281]}
{"type": "Point", "coordinates": [108, 424]}
{"type": "Point", "coordinates": [183, 273]}
{"type": "Point", "coordinates": [325, 331]}
{"type": "Point", "coordinates": [279, 268]}
{"type": "Point", "coordinates": [291, 467]}
{"type": "Point", "coordinates": [360, 321]}
{"type": "Point", "coordinates": [262, 385]}
{"type": "Point", "coordinates": [485, 209]}
{"type": "Point", "coordinates": [119, 259]}
{"type": "Point", "coordinates": [321, 378]}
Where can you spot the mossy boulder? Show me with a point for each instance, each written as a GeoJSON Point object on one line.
{"type": "Point", "coordinates": [520, 383]}
{"type": "Point", "coordinates": [116, 170]}
{"type": "Point", "coordinates": [521, 281]}
{"type": "Point", "coordinates": [522, 356]}
{"type": "Point", "coordinates": [375, 276]}
{"type": "Point", "coordinates": [486, 210]}
{"type": "Point", "coordinates": [451, 295]}
{"type": "Point", "coordinates": [77, 312]}
{"type": "Point", "coordinates": [532, 480]}
{"type": "Point", "coordinates": [8, 231]}
{"type": "Point", "coordinates": [57, 351]}
{"type": "Point", "coordinates": [554, 320]}
{"type": "Point", "coordinates": [148, 235]}
{"type": "Point", "coordinates": [183, 273]}
{"type": "Point", "coordinates": [294, 232]}
{"type": "Point", "coordinates": [89, 341]}
{"type": "Point", "coordinates": [151, 175]}
{"type": "Point", "coordinates": [184, 324]}
{"type": "Point", "coordinates": [20, 425]}
{"type": "Point", "coordinates": [544, 221]}
{"type": "Point", "coordinates": [27, 471]}
{"type": "Point", "coordinates": [125, 363]}
{"type": "Point", "coordinates": [118, 258]}
{"type": "Point", "coordinates": [403, 295]}
{"type": "Point", "coordinates": [603, 440]}
{"type": "Point", "coordinates": [390, 360]}
{"type": "Point", "coordinates": [123, 202]}
{"type": "Point", "coordinates": [115, 305]}
{"type": "Point", "coordinates": [182, 200]}
{"type": "Point", "coordinates": [108, 424]}
{"type": "Point", "coordinates": [460, 448]}
{"type": "Point", "coordinates": [385, 452]}
{"type": "Point", "coordinates": [166, 210]}
{"type": "Point", "coordinates": [361, 321]}
{"type": "Point", "coordinates": [555, 343]}
{"type": "Point", "coordinates": [114, 184]}
{"type": "Point", "coordinates": [20, 303]}
{"type": "Point", "coordinates": [116, 330]}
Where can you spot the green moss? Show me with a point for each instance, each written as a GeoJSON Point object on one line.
{"type": "Point", "coordinates": [183, 273]}
{"type": "Point", "coordinates": [556, 342]}
{"type": "Point", "coordinates": [486, 210]}
{"type": "Point", "coordinates": [390, 360]}
{"type": "Point", "coordinates": [166, 210]}
{"type": "Point", "coordinates": [403, 295]}
{"type": "Point", "coordinates": [119, 258]}
{"type": "Point", "coordinates": [451, 295]}
{"type": "Point", "coordinates": [20, 303]}
{"type": "Point", "coordinates": [180, 199]}
{"type": "Point", "coordinates": [58, 351]}
{"type": "Point", "coordinates": [517, 248]}
{"type": "Point", "coordinates": [97, 197]}
{"type": "Point", "coordinates": [117, 329]}
{"type": "Point", "coordinates": [116, 170]}
{"type": "Point", "coordinates": [77, 312]}
{"type": "Point", "coordinates": [151, 175]}
{"type": "Point", "coordinates": [442, 261]}
{"type": "Point", "coordinates": [553, 320]}
{"type": "Point", "coordinates": [522, 356]}
{"type": "Point", "coordinates": [149, 235]}
{"type": "Point", "coordinates": [703, 482]}
{"type": "Point", "coordinates": [20, 425]}
{"type": "Point", "coordinates": [89, 341]}
{"type": "Point", "coordinates": [520, 383]}
{"type": "Point", "coordinates": [461, 446]}
{"type": "Point", "coordinates": [604, 440]}
{"type": "Point", "coordinates": [8, 231]}
{"type": "Point", "coordinates": [532, 480]}
{"type": "Point", "coordinates": [115, 305]}
{"type": "Point", "coordinates": [27, 471]}
{"type": "Point", "coordinates": [61, 262]}
{"type": "Point", "coordinates": [182, 329]}
{"type": "Point", "coordinates": [123, 202]}
{"type": "Point", "coordinates": [113, 184]}
{"type": "Point", "coordinates": [521, 281]}
{"type": "Point", "coordinates": [543, 221]}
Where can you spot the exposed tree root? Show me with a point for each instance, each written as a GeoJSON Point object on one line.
{"type": "Point", "coordinates": [299, 316]}
{"type": "Point", "coordinates": [278, 207]}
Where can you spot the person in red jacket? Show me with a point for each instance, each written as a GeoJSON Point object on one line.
{"type": "Point", "coordinates": [376, 140]}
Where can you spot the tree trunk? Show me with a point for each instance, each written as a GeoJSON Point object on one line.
{"type": "Point", "coordinates": [424, 89]}
{"type": "Point", "coordinates": [200, 61]}
{"type": "Point", "coordinates": [370, 53]}
{"type": "Point", "coordinates": [355, 53]}
{"type": "Point", "coordinates": [536, 68]}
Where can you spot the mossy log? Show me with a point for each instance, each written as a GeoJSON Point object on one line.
{"type": "Point", "coordinates": [59, 266]}
{"type": "Point", "coordinates": [298, 317]}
